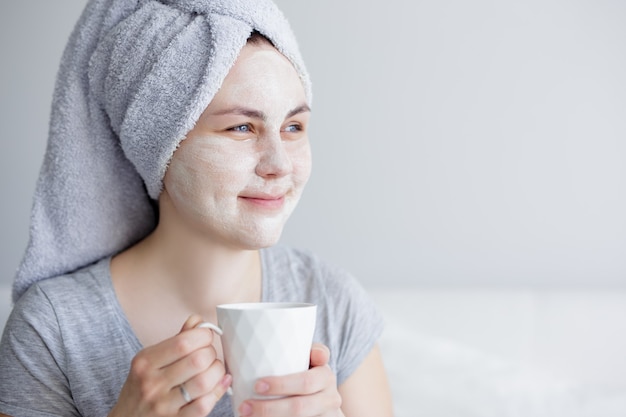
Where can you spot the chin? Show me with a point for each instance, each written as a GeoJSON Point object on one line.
{"type": "Point", "coordinates": [261, 233]}
{"type": "Point", "coordinates": [254, 236]}
{"type": "Point", "coordinates": [261, 241]}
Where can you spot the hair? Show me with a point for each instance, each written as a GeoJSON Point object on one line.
{"type": "Point", "coordinates": [257, 38]}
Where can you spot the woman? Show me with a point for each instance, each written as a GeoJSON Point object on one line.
{"type": "Point", "coordinates": [184, 124]}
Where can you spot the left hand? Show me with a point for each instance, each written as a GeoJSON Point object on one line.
{"type": "Point", "coordinates": [311, 393]}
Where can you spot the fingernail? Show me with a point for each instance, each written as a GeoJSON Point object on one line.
{"type": "Point", "coordinates": [320, 348]}
{"type": "Point", "coordinates": [226, 380]}
{"type": "Point", "coordinates": [245, 409]}
{"type": "Point", "coordinates": [261, 387]}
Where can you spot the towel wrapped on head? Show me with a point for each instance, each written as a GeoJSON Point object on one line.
{"type": "Point", "coordinates": [134, 78]}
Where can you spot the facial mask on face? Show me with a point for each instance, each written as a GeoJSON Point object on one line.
{"type": "Point", "coordinates": [240, 185]}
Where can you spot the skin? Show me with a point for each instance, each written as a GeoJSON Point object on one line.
{"type": "Point", "coordinates": [228, 191]}
{"type": "Point", "coordinates": [240, 172]}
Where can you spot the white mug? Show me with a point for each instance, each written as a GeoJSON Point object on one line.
{"type": "Point", "coordinates": [263, 339]}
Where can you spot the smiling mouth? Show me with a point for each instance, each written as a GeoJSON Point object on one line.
{"type": "Point", "coordinates": [266, 202]}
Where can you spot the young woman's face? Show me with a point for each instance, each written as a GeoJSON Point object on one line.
{"type": "Point", "coordinates": [241, 170]}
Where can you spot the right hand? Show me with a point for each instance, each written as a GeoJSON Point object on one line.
{"type": "Point", "coordinates": [152, 387]}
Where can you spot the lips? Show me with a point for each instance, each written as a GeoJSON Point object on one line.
{"type": "Point", "coordinates": [264, 200]}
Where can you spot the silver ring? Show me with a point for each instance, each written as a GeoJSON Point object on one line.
{"type": "Point", "coordinates": [185, 394]}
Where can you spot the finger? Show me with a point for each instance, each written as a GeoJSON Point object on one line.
{"type": "Point", "coordinates": [192, 322]}
{"type": "Point", "coordinates": [295, 406]}
{"type": "Point", "coordinates": [157, 383]}
{"type": "Point", "coordinates": [204, 382]}
{"type": "Point", "coordinates": [191, 365]}
{"type": "Point", "coordinates": [203, 405]}
{"type": "Point", "coordinates": [177, 347]}
{"type": "Point", "coordinates": [302, 383]}
{"type": "Point", "coordinates": [320, 355]}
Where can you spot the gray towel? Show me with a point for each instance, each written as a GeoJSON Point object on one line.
{"type": "Point", "coordinates": [134, 78]}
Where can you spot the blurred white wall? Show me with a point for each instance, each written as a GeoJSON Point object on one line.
{"type": "Point", "coordinates": [32, 37]}
{"type": "Point", "coordinates": [455, 143]}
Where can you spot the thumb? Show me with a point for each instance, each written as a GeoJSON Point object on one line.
{"type": "Point", "coordinates": [320, 355]}
{"type": "Point", "coordinates": [192, 322]}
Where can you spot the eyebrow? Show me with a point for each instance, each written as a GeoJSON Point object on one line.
{"type": "Point", "coordinates": [300, 109]}
{"type": "Point", "coordinates": [255, 114]}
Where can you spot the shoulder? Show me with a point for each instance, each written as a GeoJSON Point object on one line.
{"type": "Point", "coordinates": [53, 305]}
{"type": "Point", "coordinates": [62, 339]}
{"type": "Point", "coordinates": [36, 328]}
{"type": "Point", "coordinates": [69, 312]}
{"type": "Point", "coordinates": [81, 288]}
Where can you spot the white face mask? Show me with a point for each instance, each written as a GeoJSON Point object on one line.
{"type": "Point", "coordinates": [240, 172]}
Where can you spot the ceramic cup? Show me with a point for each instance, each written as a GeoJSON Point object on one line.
{"type": "Point", "coordinates": [263, 339]}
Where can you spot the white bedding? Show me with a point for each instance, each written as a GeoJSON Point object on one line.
{"type": "Point", "coordinates": [486, 353]}
{"type": "Point", "coordinates": [454, 353]}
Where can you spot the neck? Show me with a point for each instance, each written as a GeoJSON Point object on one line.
{"type": "Point", "coordinates": [203, 274]}
{"type": "Point", "coordinates": [180, 264]}
{"type": "Point", "coordinates": [178, 271]}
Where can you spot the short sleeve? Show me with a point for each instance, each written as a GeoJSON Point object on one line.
{"type": "Point", "coordinates": [360, 323]}
{"type": "Point", "coordinates": [32, 383]}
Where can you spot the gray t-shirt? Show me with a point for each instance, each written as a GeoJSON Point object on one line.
{"type": "Point", "coordinates": [67, 346]}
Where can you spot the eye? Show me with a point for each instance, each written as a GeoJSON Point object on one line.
{"type": "Point", "coordinates": [241, 128]}
{"type": "Point", "coordinates": [293, 128]}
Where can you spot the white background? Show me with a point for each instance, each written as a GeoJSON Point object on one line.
{"type": "Point", "coordinates": [465, 143]}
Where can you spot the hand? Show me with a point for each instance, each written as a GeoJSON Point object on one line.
{"type": "Point", "coordinates": [153, 385]}
{"type": "Point", "coordinates": [312, 393]}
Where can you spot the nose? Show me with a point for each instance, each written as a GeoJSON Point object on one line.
{"type": "Point", "coordinates": [274, 160]}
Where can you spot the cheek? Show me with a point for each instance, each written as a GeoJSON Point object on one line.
{"type": "Point", "coordinates": [231, 168]}
{"type": "Point", "coordinates": [301, 161]}
{"type": "Point", "coordinates": [193, 175]}
{"type": "Point", "coordinates": [178, 179]}
{"type": "Point", "coordinates": [203, 167]}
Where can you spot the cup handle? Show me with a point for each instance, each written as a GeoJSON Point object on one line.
{"type": "Point", "coordinates": [209, 325]}
{"type": "Point", "coordinates": [216, 329]}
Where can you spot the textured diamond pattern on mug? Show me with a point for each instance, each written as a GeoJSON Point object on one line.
{"type": "Point", "coordinates": [261, 339]}
{"type": "Point", "coordinates": [260, 342]}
